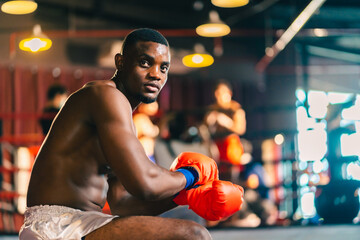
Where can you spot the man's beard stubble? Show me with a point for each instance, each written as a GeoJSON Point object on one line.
{"type": "Point", "coordinates": [146, 100]}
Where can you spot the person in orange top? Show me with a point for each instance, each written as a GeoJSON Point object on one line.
{"type": "Point", "coordinates": [147, 131]}
{"type": "Point", "coordinates": [226, 121]}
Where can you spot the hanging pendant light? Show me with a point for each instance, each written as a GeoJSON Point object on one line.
{"type": "Point", "coordinates": [198, 59]}
{"type": "Point", "coordinates": [229, 3]}
{"type": "Point", "coordinates": [38, 42]}
{"type": "Point", "coordinates": [19, 7]}
{"type": "Point", "coordinates": [215, 28]}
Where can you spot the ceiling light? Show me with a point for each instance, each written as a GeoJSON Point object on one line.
{"type": "Point", "coordinates": [38, 42]}
{"type": "Point", "coordinates": [199, 59]}
{"type": "Point", "coordinates": [229, 3]}
{"type": "Point", "coordinates": [19, 7]}
{"type": "Point", "coordinates": [215, 28]}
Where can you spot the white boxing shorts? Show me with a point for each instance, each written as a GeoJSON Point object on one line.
{"type": "Point", "coordinates": [60, 223]}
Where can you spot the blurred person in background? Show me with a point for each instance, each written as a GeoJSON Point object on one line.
{"type": "Point", "coordinates": [178, 135]}
{"type": "Point", "coordinates": [226, 122]}
{"type": "Point", "coordinates": [147, 131]}
{"type": "Point", "coordinates": [56, 97]}
{"type": "Point", "coordinates": [259, 209]}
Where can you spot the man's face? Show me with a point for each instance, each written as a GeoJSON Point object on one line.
{"type": "Point", "coordinates": [223, 94]}
{"type": "Point", "coordinates": [59, 100]}
{"type": "Point", "coordinates": [145, 68]}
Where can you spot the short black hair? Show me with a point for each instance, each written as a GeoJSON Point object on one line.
{"type": "Point", "coordinates": [55, 89]}
{"type": "Point", "coordinates": [143, 34]}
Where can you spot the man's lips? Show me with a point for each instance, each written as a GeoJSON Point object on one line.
{"type": "Point", "coordinates": [152, 87]}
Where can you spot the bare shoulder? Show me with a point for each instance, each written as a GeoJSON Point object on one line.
{"type": "Point", "coordinates": [103, 92]}
{"type": "Point", "coordinates": [104, 101]}
{"type": "Point", "coordinates": [99, 86]}
{"type": "Point", "coordinates": [100, 83]}
{"type": "Point", "coordinates": [235, 105]}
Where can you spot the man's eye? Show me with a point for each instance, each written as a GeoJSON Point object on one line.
{"type": "Point", "coordinates": [144, 63]}
{"type": "Point", "coordinates": [164, 68]}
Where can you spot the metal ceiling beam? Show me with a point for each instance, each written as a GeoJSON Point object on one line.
{"type": "Point", "coordinates": [288, 35]}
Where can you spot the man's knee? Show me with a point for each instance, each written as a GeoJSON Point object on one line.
{"type": "Point", "coordinates": [199, 232]}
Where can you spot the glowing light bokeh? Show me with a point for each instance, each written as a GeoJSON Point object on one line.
{"type": "Point", "coordinates": [312, 145]}
{"type": "Point", "coordinates": [213, 30]}
{"type": "Point", "coordinates": [19, 7]}
{"type": "Point", "coordinates": [318, 166]}
{"type": "Point", "coordinates": [35, 44]}
{"type": "Point", "coordinates": [308, 204]}
{"type": "Point", "coordinates": [337, 97]}
{"type": "Point", "coordinates": [304, 179]}
{"type": "Point", "coordinates": [300, 95]}
{"type": "Point", "coordinates": [318, 103]}
{"type": "Point", "coordinates": [353, 112]}
{"type": "Point", "coordinates": [353, 170]}
{"type": "Point", "coordinates": [229, 3]}
{"type": "Point", "coordinates": [198, 60]}
{"type": "Point", "coordinates": [350, 144]}
{"type": "Point", "coordinates": [279, 139]}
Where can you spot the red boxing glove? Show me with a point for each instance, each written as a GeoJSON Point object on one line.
{"type": "Point", "coordinates": [205, 166]}
{"type": "Point", "coordinates": [213, 201]}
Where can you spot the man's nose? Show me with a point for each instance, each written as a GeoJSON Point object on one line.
{"type": "Point", "coordinates": [155, 72]}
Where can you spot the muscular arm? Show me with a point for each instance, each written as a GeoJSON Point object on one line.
{"type": "Point", "coordinates": [124, 204]}
{"type": "Point", "coordinates": [236, 124]}
{"type": "Point", "coordinates": [239, 125]}
{"type": "Point", "coordinates": [112, 116]}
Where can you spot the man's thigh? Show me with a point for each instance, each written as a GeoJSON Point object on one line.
{"type": "Point", "coordinates": [145, 227]}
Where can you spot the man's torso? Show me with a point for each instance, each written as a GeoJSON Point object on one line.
{"type": "Point", "coordinates": [71, 169]}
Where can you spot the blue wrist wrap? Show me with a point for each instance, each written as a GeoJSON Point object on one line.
{"type": "Point", "coordinates": [190, 174]}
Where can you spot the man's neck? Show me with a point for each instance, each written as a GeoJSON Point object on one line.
{"type": "Point", "coordinates": [226, 105]}
{"type": "Point", "coordinates": [119, 85]}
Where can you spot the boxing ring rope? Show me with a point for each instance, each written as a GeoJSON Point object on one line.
{"type": "Point", "coordinates": [10, 195]}
{"type": "Point", "coordinates": [23, 98]}
{"type": "Point", "coordinates": [31, 138]}
{"type": "Point", "coordinates": [14, 179]}
{"type": "Point", "coordinates": [13, 169]}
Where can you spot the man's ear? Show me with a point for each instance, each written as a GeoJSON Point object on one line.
{"type": "Point", "coordinates": [118, 61]}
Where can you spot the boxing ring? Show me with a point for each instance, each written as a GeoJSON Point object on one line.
{"type": "Point", "coordinates": [328, 232]}
{"type": "Point", "coordinates": [20, 139]}
{"type": "Point", "coordinates": [23, 92]}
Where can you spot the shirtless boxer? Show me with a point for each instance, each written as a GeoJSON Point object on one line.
{"type": "Point", "coordinates": [91, 155]}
